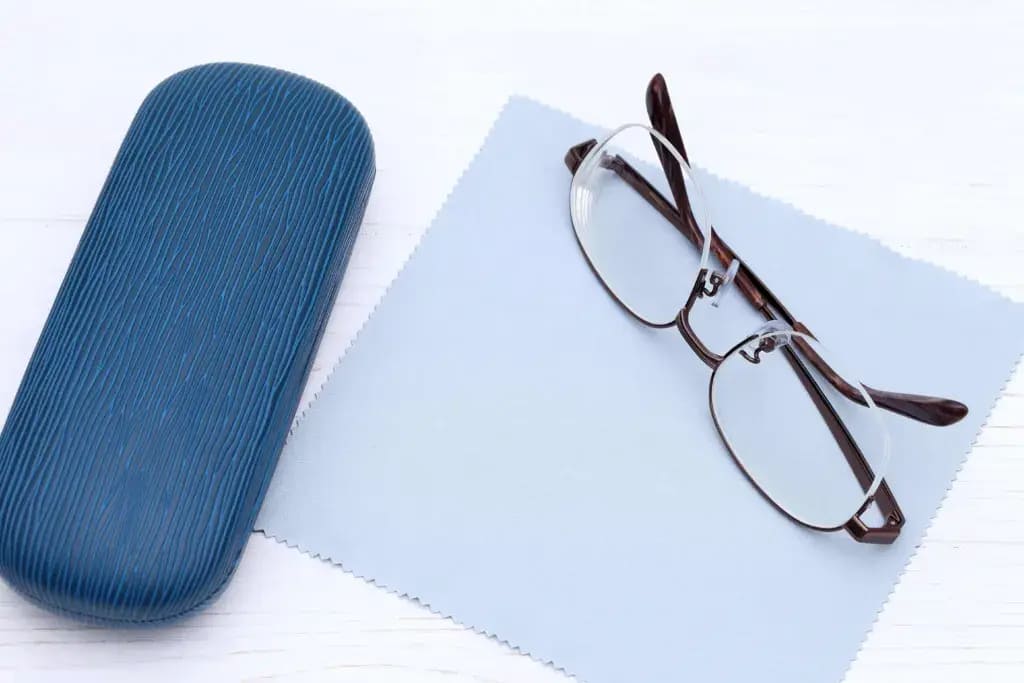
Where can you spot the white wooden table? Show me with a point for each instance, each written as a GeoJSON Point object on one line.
{"type": "Point", "coordinates": [901, 123]}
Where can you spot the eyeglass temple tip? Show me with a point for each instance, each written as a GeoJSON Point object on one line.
{"type": "Point", "coordinates": [574, 157]}
{"type": "Point", "coordinates": [932, 410]}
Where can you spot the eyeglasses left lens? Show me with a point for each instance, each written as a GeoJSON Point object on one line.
{"type": "Point", "coordinates": [643, 257]}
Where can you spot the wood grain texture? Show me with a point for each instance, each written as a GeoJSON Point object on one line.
{"type": "Point", "coordinates": [165, 380]}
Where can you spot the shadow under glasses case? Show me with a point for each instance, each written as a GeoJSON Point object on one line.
{"type": "Point", "coordinates": [151, 415]}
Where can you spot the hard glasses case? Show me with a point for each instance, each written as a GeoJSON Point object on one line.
{"type": "Point", "coordinates": [152, 413]}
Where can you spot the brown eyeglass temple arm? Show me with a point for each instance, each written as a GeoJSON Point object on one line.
{"type": "Point", "coordinates": [928, 409]}
{"type": "Point", "coordinates": [663, 120]}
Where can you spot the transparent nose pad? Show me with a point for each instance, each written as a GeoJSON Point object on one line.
{"type": "Point", "coordinates": [724, 282]}
{"type": "Point", "coordinates": [774, 326]}
{"type": "Point", "coordinates": [765, 339]}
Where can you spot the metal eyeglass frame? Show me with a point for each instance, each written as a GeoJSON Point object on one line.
{"type": "Point", "coordinates": [927, 409]}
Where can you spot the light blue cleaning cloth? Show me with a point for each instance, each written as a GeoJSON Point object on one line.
{"type": "Point", "coordinates": [504, 444]}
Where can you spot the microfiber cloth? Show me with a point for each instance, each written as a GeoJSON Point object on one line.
{"type": "Point", "coordinates": [502, 443]}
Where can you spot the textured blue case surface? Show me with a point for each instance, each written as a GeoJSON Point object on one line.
{"type": "Point", "coordinates": [151, 416]}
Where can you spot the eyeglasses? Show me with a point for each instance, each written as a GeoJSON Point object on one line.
{"type": "Point", "coordinates": [805, 433]}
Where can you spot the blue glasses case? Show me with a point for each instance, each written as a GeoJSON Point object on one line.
{"type": "Point", "coordinates": [152, 413]}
